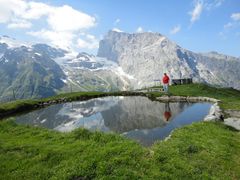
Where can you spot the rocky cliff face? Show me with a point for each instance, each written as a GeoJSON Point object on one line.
{"type": "Point", "coordinates": [146, 56]}
{"type": "Point", "coordinates": [219, 69]}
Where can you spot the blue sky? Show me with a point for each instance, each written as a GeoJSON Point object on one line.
{"type": "Point", "coordinates": [197, 25]}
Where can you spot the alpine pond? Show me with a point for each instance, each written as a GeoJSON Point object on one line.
{"type": "Point", "coordinates": [134, 117]}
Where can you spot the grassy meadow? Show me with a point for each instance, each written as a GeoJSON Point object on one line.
{"type": "Point", "coordinates": [203, 150]}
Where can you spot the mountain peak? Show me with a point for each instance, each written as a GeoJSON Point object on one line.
{"type": "Point", "coordinates": [12, 42]}
{"type": "Point", "coordinates": [119, 32]}
{"type": "Point", "coordinates": [124, 42]}
{"type": "Point", "coordinates": [146, 56]}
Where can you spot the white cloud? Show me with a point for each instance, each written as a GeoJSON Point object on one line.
{"type": "Point", "coordinates": [218, 3]}
{"type": "Point", "coordinates": [10, 9]}
{"type": "Point", "coordinates": [60, 39]}
{"type": "Point", "coordinates": [36, 10]}
{"type": "Point", "coordinates": [175, 30]}
{"type": "Point", "coordinates": [222, 35]}
{"type": "Point", "coordinates": [117, 30]}
{"type": "Point", "coordinates": [196, 12]}
{"type": "Point", "coordinates": [201, 5]}
{"type": "Point", "coordinates": [89, 44]}
{"type": "Point", "coordinates": [66, 40]}
{"type": "Point", "coordinates": [59, 18]}
{"type": "Point", "coordinates": [117, 21]}
{"type": "Point", "coordinates": [139, 30]}
{"type": "Point", "coordinates": [63, 22]}
{"type": "Point", "coordinates": [235, 16]}
{"type": "Point", "coordinates": [66, 18]}
{"type": "Point", "coordinates": [90, 37]}
{"type": "Point", "coordinates": [81, 43]}
{"type": "Point", "coordinates": [213, 4]}
{"type": "Point", "coordinates": [228, 25]}
{"type": "Point", "coordinates": [19, 24]}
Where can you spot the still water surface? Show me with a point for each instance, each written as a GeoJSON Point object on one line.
{"type": "Point", "coordinates": [137, 118]}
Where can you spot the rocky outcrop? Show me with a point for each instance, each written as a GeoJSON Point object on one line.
{"type": "Point", "coordinates": [233, 113]}
{"type": "Point", "coordinates": [234, 119]}
{"type": "Point", "coordinates": [215, 114]}
{"type": "Point", "coordinates": [146, 56]}
{"type": "Point", "coordinates": [233, 122]}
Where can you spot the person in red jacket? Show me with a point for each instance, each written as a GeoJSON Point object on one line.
{"type": "Point", "coordinates": [165, 81]}
{"type": "Point", "coordinates": [167, 113]}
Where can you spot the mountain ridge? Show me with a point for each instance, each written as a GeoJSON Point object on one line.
{"type": "Point", "coordinates": [124, 62]}
{"type": "Point", "coordinates": [146, 56]}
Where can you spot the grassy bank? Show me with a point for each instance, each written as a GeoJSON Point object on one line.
{"type": "Point", "coordinates": [230, 97]}
{"type": "Point", "coordinates": [199, 151]}
{"type": "Point", "coordinates": [19, 106]}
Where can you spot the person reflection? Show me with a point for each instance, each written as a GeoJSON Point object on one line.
{"type": "Point", "coordinates": [167, 113]}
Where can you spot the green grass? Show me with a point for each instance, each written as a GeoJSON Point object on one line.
{"type": "Point", "coordinates": [199, 151]}
{"type": "Point", "coordinates": [230, 97]}
{"type": "Point", "coordinates": [35, 153]}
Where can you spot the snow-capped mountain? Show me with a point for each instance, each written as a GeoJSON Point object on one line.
{"type": "Point", "coordinates": [39, 70]}
{"type": "Point", "coordinates": [124, 62]}
{"type": "Point", "coordinates": [146, 56]}
{"type": "Point", "coordinates": [88, 72]}
{"type": "Point", "coordinates": [25, 73]}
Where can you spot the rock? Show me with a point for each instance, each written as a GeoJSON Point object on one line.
{"type": "Point", "coordinates": [178, 98]}
{"type": "Point", "coordinates": [189, 99]}
{"type": "Point", "coordinates": [210, 118]}
{"type": "Point", "coordinates": [233, 113]}
{"type": "Point", "coordinates": [212, 110]}
{"type": "Point", "coordinates": [171, 98]}
{"type": "Point", "coordinates": [163, 98]}
{"type": "Point", "coordinates": [192, 99]}
{"type": "Point", "coordinates": [233, 122]}
{"type": "Point", "coordinates": [146, 56]}
{"type": "Point", "coordinates": [46, 104]}
{"type": "Point", "coordinates": [215, 114]}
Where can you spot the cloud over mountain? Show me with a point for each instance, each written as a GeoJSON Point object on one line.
{"type": "Point", "coordinates": [64, 23]}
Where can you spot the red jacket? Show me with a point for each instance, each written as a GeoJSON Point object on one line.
{"type": "Point", "coordinates": [165, 79]}
{"type": "Point", "coordinates": [167, 115]}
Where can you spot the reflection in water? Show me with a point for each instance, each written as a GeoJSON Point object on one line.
{"type": "Point", "coordinates": [134, 117]}
{"type": "Point", "coordinates": [167, 113]}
